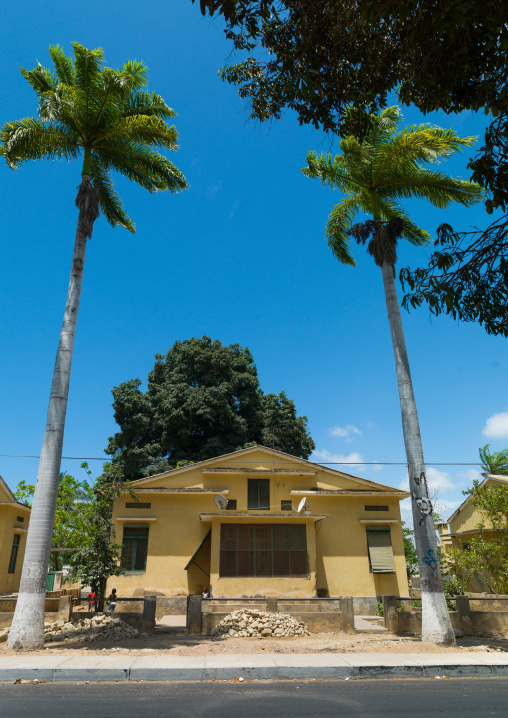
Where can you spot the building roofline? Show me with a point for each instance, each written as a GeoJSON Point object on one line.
{"type": "Point", "coordinates": [495, 478]}
{"type": "Point", "coordinates": [249, 450]}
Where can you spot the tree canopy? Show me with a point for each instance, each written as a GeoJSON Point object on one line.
{"type": "Point", "coordinates": [86, 108]}
{"type": "Point", "coordinates": [203, 399]}
{"type": "Point", "coordinates": [72, 517]}
{"type": "Point", "coordinates": [318, 57]}
{"type": "Point", "coordinates": [377, 173]}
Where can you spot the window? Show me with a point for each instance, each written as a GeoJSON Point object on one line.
{"type": "Point", "coordinates": [231, 505]}
{"type": "Point", "coordinates": [20, 519]}
{"type": "Point", "coordinates": [258, 494]}
{"type": "Point", "coordinates": [14, 553]}
{"type": "Point", "coordinates": [263, 550]}
{"type": "Point", "coordinates": [376, 508]}
{"type": "Point", "coordinates": [379, 543]}
{"type": "Point", "coordinates": [136, 505]}
{"type": "Point", "coordinates": [286, 505]}
{"type": "Point", "coordinates": [135, 544]}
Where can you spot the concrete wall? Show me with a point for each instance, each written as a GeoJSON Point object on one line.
{"type": "Point", "coordinates": [337, 545]}
{"type": "Point", "coordinates": [315, 621]}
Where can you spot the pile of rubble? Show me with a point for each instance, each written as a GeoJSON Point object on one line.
{"type": "Point", "coordinates": [249, 623]}
{"type": "Point", "coordinates": [104, 628]}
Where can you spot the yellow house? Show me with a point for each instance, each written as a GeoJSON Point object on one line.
{"type": "Point", "coordinates": [258, 522]}
{"type": "Point", "coordinates": [14, 519]}
{"type": "Point", "coordinates": [463, 523]}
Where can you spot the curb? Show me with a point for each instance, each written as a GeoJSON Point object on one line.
{"type": "Point", "coordinates": [273, 667]}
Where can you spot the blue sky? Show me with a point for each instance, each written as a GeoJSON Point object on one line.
{"type": "Point", "coordinates": [240, 257]}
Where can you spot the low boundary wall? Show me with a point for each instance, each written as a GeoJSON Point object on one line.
{"type": "Point", "coordinates": [325, 615]}
{"type": "Point", "coordinates": [470, 622]}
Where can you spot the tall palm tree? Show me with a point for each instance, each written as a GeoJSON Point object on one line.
{"type": "Point", "coordinates": [90, 110]}
{"type": "Point", "coordinates": [374, 175]}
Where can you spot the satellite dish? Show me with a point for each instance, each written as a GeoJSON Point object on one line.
{"type": "Point", "coordinates": [302, 504]}
{"type": "Point", "coordinates": [220, 501]}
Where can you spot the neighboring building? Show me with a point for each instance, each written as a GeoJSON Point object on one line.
{"type": "Point", "coordinates": [14, 519]}
{"type": "Point", "coordinates": [463, 523]}
{"type": "Point", "coordinates": [177, 541]}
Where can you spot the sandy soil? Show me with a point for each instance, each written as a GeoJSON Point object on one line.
{"type": "Point", "coordinates": [181, 645]}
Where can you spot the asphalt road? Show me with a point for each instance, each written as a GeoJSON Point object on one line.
{"type": "Point", "coordinates": [467, 698]}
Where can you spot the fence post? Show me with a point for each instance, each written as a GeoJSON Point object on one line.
{"type": "Point", "coordinates": [148, 619]}
{"type": "Point", "coordinates": [64, 609]}
{"type": "Point", "coordinates": [464, 610]}
{"type": "Point", "coordinates": [194, 608]}
{"type": "Point", "coordinates": [348, 614]}
{"type": "Point", "coordinates": [390, 613]}
{"type": "Point", "coordinates": [271, 604]}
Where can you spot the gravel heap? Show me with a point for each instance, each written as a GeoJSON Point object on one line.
{"type": "Point", "coordinates": [104, 628]}
{"type": "Point", "coordinates": [251, 623]}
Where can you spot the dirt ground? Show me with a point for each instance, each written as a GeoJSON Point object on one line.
{"type": "Point", "coordinates": [166, 642]}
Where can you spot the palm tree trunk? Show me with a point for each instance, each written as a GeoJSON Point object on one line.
{"type": "Point", "coordinates": [436, 624]}
{"type": "Point", "coordinates": [27, 630]}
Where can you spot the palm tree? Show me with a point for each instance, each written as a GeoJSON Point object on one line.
{"type": "Point", "coordinates": [374, 175]}
{"type": "Point", "coordinates": [496, 463]}
{"type": "Point", "coordinates": [88, 109]}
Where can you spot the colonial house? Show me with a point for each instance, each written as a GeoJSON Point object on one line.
{"type": "Point", "coordinates": [14, 519]}
{"type": "Point", "coordinates": [258, 522]}
{"type": "Point", "coordinates": [463, 523]}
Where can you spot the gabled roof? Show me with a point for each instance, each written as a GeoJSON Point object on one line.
{"type": "Point", "coordinates": [11, 499]}
{"type": "Point", "coordinates": [7, 490]}
{"type": "Point", "coordinates": [491, 478]}
{"type": "Point", "coordinates": [271, 455]}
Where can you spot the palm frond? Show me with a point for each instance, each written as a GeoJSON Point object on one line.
{"type": "Point", "coordinates": [153, 131]}
{"type": "Point", "coordinates": [109, 199]}
{"type": "Point", "coordinates": [137, 72]}
{"type": "Point", "coordinates": [144, 166]}
{"type": "Point", "coordinates": [63, 64]}
{"type": "Point", "coordinates": [34, 139]}
{"type": "Point", "coordinates": [333, 172]}
{"type": "Point", "coordinates": [436, 187]}
{"type": "Point", "coordinates": [146, 103]}
{"type": "Point", "coordinates": [39, 79]}
{"type": "Point", "coordinates": [337, 226]}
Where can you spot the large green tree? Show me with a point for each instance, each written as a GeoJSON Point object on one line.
{"type": "Point", "coordinates": [203, 399]}
{"type": "Point", "coordinates": [318, 56]}
{"type": "Point", "coordinates": [389, 166]}
{"type": "Point", "coordinates": [72, 516]}
{"type": "Point", "coordinates": [87, 110]}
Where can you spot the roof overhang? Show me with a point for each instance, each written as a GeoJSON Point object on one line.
{"type": "Point", "coordinates": [353, 492]}
{"type": "Point", "coordinates": [259, 472]}
{"type": "Point", "coordinates": [180, 492]}
{"type": "Point", "coordinates": [264, 517]}
{"type": "Point", "coordinates": [134, 519]}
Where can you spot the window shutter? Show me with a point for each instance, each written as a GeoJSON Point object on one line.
{"type": "Point", "coordinates": [380, 551]}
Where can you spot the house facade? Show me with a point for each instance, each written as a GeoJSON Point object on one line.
{"type": "Point", "coordinates": [463, 523]}
{"type": "Point", "coordinates": [14, 520]}
{"type": "Point", "coordinates": [231, 524]}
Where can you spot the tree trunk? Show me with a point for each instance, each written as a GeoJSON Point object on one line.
{"type": "Point", "coordinates": [27, 630]}
{"type": "Point", "coordinates": [436, 624]}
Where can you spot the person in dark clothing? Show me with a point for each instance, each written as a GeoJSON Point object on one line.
{"type": "Point", "coordinates": [111, 601]}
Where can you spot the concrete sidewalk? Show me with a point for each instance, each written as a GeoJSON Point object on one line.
{"type": "Point", "coordinates": [270, 666]}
